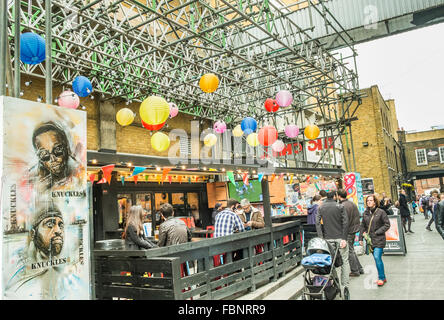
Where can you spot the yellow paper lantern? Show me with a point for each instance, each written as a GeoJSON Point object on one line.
{"type": "Point", "coordinates": [154, 110]}
{"type": "Point", "coordinates": [209, 82]}
{"type": "Point", "coordinates": [210, 140]}
{"type": "Point", "coordinates": [125, 117]}
{"type": "Point", "coordinates": [160, 141]}
{"type": "Point", "coordinates": [237, 131]}
{"type": "Point", "coordinates": [252, 139]}
{"type": "Point", "coordinates": [312, 131]}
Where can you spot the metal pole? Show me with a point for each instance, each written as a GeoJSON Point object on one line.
{"type": "Point", "coordinates": [48, 62]}
{"type": "Point", "coordinates": [3, 43]}
{"type": "Point", "coordinates": [17, 48]}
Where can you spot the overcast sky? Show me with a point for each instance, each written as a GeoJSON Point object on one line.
{"type": "Point", "coordinates": [408, 68]}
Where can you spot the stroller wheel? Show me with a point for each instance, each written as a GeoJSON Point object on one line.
{"type": "Point", "coordinates": [346, 294]}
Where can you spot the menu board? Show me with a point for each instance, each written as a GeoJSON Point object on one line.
{"type": "Point", "coordinates": [395, 237]}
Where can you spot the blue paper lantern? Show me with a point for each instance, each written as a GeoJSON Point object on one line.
{"type": "Point", "coordinates": [32, 48]}
{"type": "Point", "coordinates": [82, 86]}
{"type": "Point", "coordinates": [248, 125]}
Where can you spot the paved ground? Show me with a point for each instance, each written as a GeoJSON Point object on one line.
{"type": "Point", "coordinates": [419, 275]}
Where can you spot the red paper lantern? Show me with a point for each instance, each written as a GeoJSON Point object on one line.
{"type": "Point", "coordinates": [267, 135]}
{"type": "Point", "coordinates": [271, 105]}
{"type": "Point", "coordinates": [153, 127]}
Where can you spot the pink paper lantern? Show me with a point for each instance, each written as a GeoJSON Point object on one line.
{"type": "Point", "coordinates": [68, 99]}
{"type": "Point", "coordinates": [284, 98]}
{"type": "Point", "coordinates": [292, 131]}
{"type": "Point", "coordinates": [220, 127]}
{"type": "Point", "coordinates": [174, 110]}
{"type": "Point", "coordinates": [278, 146]}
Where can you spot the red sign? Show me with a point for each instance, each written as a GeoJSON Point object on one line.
{"type": "Point", "coordinates": [313, 145]}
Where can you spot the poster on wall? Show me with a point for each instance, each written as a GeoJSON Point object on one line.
{"type": "Point", "coordinates": [432, 155]}
{"type": "Point", "coordinates": [44, 205]}
{"type": "Point", "coordinates": [353, 186]}
{"type": "Point", "coordinates": [368, 186]}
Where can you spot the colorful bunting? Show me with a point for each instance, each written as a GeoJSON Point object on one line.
{"type": "Point", "coordinates": [135, 179]}
{"type": "Point", "coordinates": [260, 176]}
{"type": "Point", "coordinates": [103, 180]}
{"type": "Point", "coordinates": [122, 178]}
{"type": "Point", "coordinates": [107, 172]}
{"type": "Point", "coordinates": [170, 178]}
{"type": "Point", "coordinates": [138, 170]}
{"type": "Point", "coordinates": [230, 176]}
{"type": "Point", "coordinates": [245, 179]}
{"type": "Point", "coordinates": [291, 178]}
{"type": "Point", "coordinates": [272, 177]}
{"type": "Point", "coordinates": [180, 179]}
{"type": "Point", "coordinates": [165, 172]}
{"type": "Point", "coordinates": [92, 177]}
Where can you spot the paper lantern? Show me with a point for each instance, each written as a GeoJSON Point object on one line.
{"type": "Point", "coordinates": [209, 82]}
{"type": "Point", "coordinates": [220, 127]}
{"type": "Point", "coordinates": [210, 140]}
{"type": "Point", "coordinates": [154, 110]}
{"type": "Point", "coordinates": [152, 127]}
{"type": "Point", "coordinates": [174, 110]}
{"type": "Point", "coordinates": [278, 146]}
{"type": "Point", "coordinates": [32, 48]}
{"type": "Point", "coordinates": [312, 131]}
{"type": "Point", "coordinates": [252, 139]}
{"type": "Point", "coordinates": [82, 86]}
{"type": "Point", "coordinates": [248, 125]}
{"type": "Point", "coordinates": [125, 117]}
{"type": "Point", "coordinates": [237, 131]}
{"type": "Point", "coordinates": [267, 135]}
{"type": "Point", "coordinates": [160, 141]}
{"type": "Point", "coordinates": [271, 105]}
{"type": "Point", "coordinates": [284, 98]}
{"type": "Point", "coordinates": [68, 99]}
{"type": "Point", "coordinates": [291, 131]}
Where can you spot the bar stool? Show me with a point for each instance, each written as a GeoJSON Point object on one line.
{"type": "Point", "coordinates": [211, 234]}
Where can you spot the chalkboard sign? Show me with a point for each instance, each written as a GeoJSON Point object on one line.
{"type": "Point", "coordinates": [395, 237]}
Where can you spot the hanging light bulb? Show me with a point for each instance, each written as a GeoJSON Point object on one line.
{"type": "Point", "coordinates": [21, 93]}
{"type": "Point", "coordinates": [39, 99]}
{"type": "Point", "coordinates": [28, 83]}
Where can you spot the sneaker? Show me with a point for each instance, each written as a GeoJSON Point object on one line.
{"type": "Point", "coordinates": [380, 283]}
{"type": "Point", "coordinates": [428, 228]}
{"type": "Point", "coordinates": [361, 271]}
{"type": "Point", "coordinates": [354, 274]}
{"type": "Point", "coordinates": [411, 231]}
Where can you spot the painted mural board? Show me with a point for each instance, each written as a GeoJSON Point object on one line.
{"type": "Point", "coordinates": [353, 186]}
{"type": "Point", "coordinates": [44, 204]}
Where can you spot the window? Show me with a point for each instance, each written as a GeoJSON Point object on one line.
{"type": "Point", "coordinates": [421, 158]}
{"type": "Point", "coordinates": [441, 154]}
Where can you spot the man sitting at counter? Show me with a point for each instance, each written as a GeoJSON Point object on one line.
{"type": "Point", "coordinates": [251, 217]}
{"type": "Point", "coordinates": [173, 230]}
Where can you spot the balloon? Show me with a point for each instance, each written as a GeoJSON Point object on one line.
{"type": "Point", "coordinates": [209, 82]}
{"type": "Point", "coordinates": [160, 141]}
{"type": "Point", "coordinates": [154, 110]}
{"type": "Point", "coordinates": [252, 139]}
{"type": "Point", "coordinates": [267, 135]}
{"type": "Point", "coordinates": [125, 117]}
{"type": "Point", "coordinates": [220, 127]}
{"type": "Point", "coordinates": [278, 146]}
{"type": "Point", "coordinates": [174, 110]}
{"type": "Point", "coordinates": [312, 131]}
{"type": "Point", "coordinates": [68, 99]}
{"type": "Point", "coordinates": [82, 86]}
{"type": "Point", "coordinates": [152, 127]}
{"type": "Point", "coordinates": [284, 98]}
{"type": "Point", "coordinates": [237, 131]}
{"type": "Point", "coordinates": [248, 125]}
{"type": "Point", "coordinates": [210, 140]}
{"type": "Point", "coordinates": [32, 48]}
{"type": "Point", "coordinates": [271, 105]}
{"type": "Point", "coordinates": [292, 131]}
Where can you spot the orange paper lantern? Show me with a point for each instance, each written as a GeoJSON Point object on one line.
{"type": "Point", "coordinates": [209, 82]}
{"type": "Point", "coordinates": [312, 131]}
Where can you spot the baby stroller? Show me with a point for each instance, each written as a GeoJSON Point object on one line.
{"type": "Point", "coordinates": [321, 281]}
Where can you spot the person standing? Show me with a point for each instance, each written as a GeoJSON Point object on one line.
{"type": "Point", "coordinates": [332, 225]}
{"type": "Point", "coordinates": [313, 209]}
{"type": "Point", "coordinates": [405, 212]}
{"type": "Point", "coordinates": [217, 208]}
{"type": "Point", "coordinates": [134, 236]}
{"type": "Point", "coordinates": [375, 223]}
{"type": "Point", "coordinates": [386, 204]}
{"type": "Point", "coordinates": [434, 199]}
{"type": "Point", "coordinates": [251, 217]}
{"type": "Point", "coordinates": [425, 205]}
{"type": "Point", "coordinates": [353, 216]}
{"type": "Point", "coordinates": [173, 230]}
{"type": "Point", "coordinates": [439, 217]}
{"type": "Point", "coordinates": [227, 222]}
{"type": "Point", "coordinates": [323, 195]}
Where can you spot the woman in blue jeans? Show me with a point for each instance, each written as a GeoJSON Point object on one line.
{"type": "Point", "coordinates": [375, 223]}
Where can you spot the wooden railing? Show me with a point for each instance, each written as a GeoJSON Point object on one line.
{"type": "Point", "coordinates": [194, 270]}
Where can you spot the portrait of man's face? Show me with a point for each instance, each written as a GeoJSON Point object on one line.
{"type": "Point", "coordinates": [52, 152]}
{"type": "Point", "coordinates": [49, 236]}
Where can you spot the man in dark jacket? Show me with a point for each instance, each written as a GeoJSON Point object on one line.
{"type": "Point", "coordinates": [439, 216]}
{"type": "Point", "coordinates": [332, 225]}
{"type": "Point", "coordinates": [405, 212]}
{"type": "Point", "coordinates": [353, 216]}
{"type": "Point", "coordinates": [173, 230]}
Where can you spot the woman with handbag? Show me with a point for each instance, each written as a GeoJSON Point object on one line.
{"type": "Point", "coordinates": [374, 225]}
